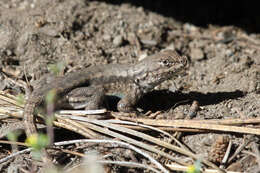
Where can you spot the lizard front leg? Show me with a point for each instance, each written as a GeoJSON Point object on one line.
{"type": "Point", "coordinates": [92, 97]}
{"type": "Point", "coordinates": [128, 102]}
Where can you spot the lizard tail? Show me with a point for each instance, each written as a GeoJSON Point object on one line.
{"type": "Point", "coordinates": [28, 118]}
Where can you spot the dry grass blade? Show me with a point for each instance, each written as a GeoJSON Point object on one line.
{"type": "Point", "coordinates": [82, 112]}
{"type": "Point", "coordinates": [130, 164]}
{"type": "Point", "coordinates": [82, 155]}
{"type": "Point", "coordinates": [115, 142]}
{"type": "Point", "coordinates": [78, 128]}
{"type": "Point", "coordinates": [240, 148]}
{"type": "Point", "coordinates": [175, 167]}
{"type": "Point", "coordinates": [150, 128]}
{"type": "Point", "coordinates": [106, 131]}
{"type": "Point", "coordinates": [8, 99]}
{"type": "Point", "coordinates": [14, 154]}
{"type": "Point", "coordinates": [166, 129]}
{"type": "Point", "coordinates": [88, 128]}
{"type": "Point", "coordinates": [143, 136]}
{"type": "Point", "coordinates": [199, 124]}
{"type": "Point", "coordinates": [9, 106]}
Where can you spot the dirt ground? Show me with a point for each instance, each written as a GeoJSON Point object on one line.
{"type": "Point", "coordinates": [224, 61]}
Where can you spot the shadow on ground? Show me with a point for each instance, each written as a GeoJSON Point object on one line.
{"type": "Point", "coordinates": [164, 100]}
{"type": "Point", "coordinates": [202, 13]}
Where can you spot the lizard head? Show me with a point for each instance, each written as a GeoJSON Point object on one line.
{"type": "Point", "coordinates": [160, 67]}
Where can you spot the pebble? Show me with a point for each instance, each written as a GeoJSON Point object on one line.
{"type": "Point", "coordinates": [149, 42]}
{"type": "Point", "coordinates": [118, 40]}
{"type": "Point", "coordinates": [142, 56]}
{"type": "Point", "coordinates": [9, 52]}
{"type": "Point", "coordinates": [107, 37]}
{"type": "Point", "coordinates": [196, 54]}
{"type": "Point", "coordinates": [171, 47]}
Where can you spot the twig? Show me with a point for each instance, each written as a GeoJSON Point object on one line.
{"type": "Point", "coordinates": [13, 143]}
{"type": "Point", "coordinates": [115, 142]}
{"type": "Point", "coordinates": [9, 99]}
{"type": "Point", "coordinates": [70, 152]}
{"type": "Point", "coordinates": [79, 128]}
{"type": "Point", "coordinates": [239, 149]}
{"type": "Point", "coordinates": [130, 164]}
{"type": "Point", "coordinates": [168, 129]}
{"type": "Point", "coordinates": [132, 141]}
{"type": "Point", "coordinates": [135, 133]}
{"type": "Point", "coordinates": [123, 116]}
{"type": "Point", "coordinates": [79, 154]}
{"type": "Point", "coordinates": [146, 137]}
{"type": "Point", "coordinates": [202, 124]}
{"type": "Point", "coordinates": [15, 154]}
{"type": "Point", "coordinates": [120, 163]}
{"type": "Point", "coordinates": [149, 127]}
{"type": "Point", "coordinates": [225, 158]}
{"type": "Point", "coordinates": [84, 112]}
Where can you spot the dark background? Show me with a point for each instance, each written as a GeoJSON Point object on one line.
{"type": "Point", "coordinates": [244, 14]}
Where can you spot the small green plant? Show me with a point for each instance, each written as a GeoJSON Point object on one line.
{"type": "Point", "coordinates": [50, 99]}
{"type": "Point", "coordinates": [56, 69]}
{"type": "Point", "coordinates": [38, 142]}
{"type": "Point", "coordinates": [13, 136]}
{"type": "Point", "coordinates": [195, 168]}
{"type": "Point", "coordinates": [50, 107]}
{"type": "Point", "coordinates": [20, 99]}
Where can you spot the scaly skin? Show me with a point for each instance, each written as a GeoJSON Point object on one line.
{"type": "Point", "coordinates": [142, 77]}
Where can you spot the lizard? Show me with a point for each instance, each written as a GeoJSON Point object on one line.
{"type": "Point", "coordinates": [141, 77]}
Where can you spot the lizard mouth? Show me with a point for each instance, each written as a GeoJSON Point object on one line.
{"type": "Point", "coordinates": [181, 71]}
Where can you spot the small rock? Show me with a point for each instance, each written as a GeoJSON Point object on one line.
{"type": "Point", "coordinates": [149, 42]}
{"type": "Point", "coordinates": [9, 52]}
{"type": "Point", "coordinates": [196, 54]}
{"type": "Point", "coordinates": [79, 36]}
{"type": "Point", "coordinates": [229, 53]}
{"type": "Point", "coordinates": [50, 31]}
{"type": "Point", "coordinates": [140, 9]}
{"type": "Point", "coordinates": [171, 47]}
{"type": "Point", "coordinates": [189, 27]}
{"type": "Point", "coordinates": [118, 40]}
{"type": "Point", "coordinates": [142, 56]}
{"type": "Point", "coordinates": [107, 37]}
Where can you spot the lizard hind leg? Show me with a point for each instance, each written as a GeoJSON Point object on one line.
{"type": "Point", "coordinates": [90, 98]}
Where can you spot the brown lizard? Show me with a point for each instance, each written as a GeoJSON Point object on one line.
{"type": "Point", "coordinates": [141, 78]}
